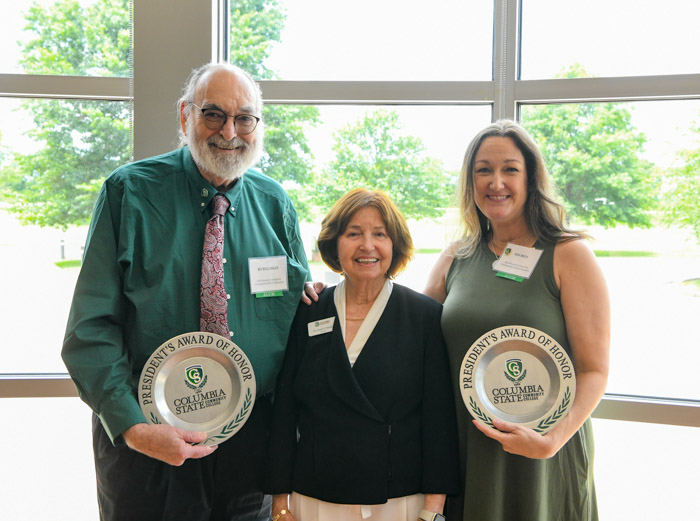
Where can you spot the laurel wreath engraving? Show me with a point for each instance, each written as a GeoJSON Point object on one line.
{"type": "Point", "coordinates": [552, 419]}
{"type": "Point", "coordinates": [154, 419]}
{"type": "Point", "coordinates": [515, 380]}
{"type": "Point", "coordinates": [231, 426]}
{"type": "Point", "coordinates": [477, 412]}
{"type": "Point", "coordinates": [541, 426]}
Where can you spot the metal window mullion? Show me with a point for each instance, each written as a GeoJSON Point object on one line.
{"type": "Point", "coordinates": [64, 87]}
{"type": "Point", "coordinates": [505, 45]}
{"type": "Point", "coordinates": [647, 409]}
{"type": "Point", "coordinates": [617, 407]}
{"type": "Point", "coordinates": [635, 88]}
{"type": "Point", "coordinates": [37, 386]}
{"type": "Point", "coordinates": [377, 92]}
{"type": "Point", "coordinates": [221, 18]}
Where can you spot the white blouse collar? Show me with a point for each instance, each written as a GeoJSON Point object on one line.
{"type": "Point", "coordinates": [370, 321]}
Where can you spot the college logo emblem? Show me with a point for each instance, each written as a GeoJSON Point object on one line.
{"type": "Point", "coordinates": [514, 370]}
{"type": "Point", "coordinates": [195, 377]}
{"type": "Point", "coordinates": [507, 251]}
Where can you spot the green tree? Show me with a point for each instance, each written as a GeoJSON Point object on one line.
{"type": "Point", "coordinates": [83, 141]}
{"type": "Point", "coordinates": [3, 152]}
{"type": "Point", "coordinates": [594, 154]}
{"type": "Point", "coordinates": [5, 172]}
{"type": "Point", "coordinates": [373, 153]}
{"type": "Point", "coordinates": [256, 25]}
{"type": "Point", "coordinates": [680, 205]}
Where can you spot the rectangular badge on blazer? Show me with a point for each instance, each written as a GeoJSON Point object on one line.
{"type": "Point", "coordinates": [320, 327]}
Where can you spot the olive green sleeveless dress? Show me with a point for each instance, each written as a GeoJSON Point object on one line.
{"type": "Point", "coordinates": [497, 485]}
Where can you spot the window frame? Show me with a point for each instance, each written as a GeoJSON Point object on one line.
{"type": "Point", "coordinates": [157, 80]}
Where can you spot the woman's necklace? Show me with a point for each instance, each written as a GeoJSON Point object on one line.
{"type": "Point", "coordinates": [492, 246]}
{"type": "Point", "coordinates": [493, 250]}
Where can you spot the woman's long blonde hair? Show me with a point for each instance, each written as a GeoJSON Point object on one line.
{"type": "Point", "coordinates": [544, 215]}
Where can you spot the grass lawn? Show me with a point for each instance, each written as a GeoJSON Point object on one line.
{"type": "Point", "coordinates": [72, 263]}
{"type": "Point", "coordinates": [624, 253]}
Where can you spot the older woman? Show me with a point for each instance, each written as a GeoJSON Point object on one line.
{"type": "Point", "coordinates": [363, 423]}
{"type": "Point", "coordinates": [512, 472]}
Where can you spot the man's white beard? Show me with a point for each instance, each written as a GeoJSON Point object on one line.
{"type": "Point", "coordinates": [223, 166]}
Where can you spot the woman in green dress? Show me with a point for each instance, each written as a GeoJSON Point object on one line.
{"type": "Point", "coordinates": [511, 472]}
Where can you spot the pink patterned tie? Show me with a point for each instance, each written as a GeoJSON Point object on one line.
{"type": "Point", "coordinates": [213, 301]}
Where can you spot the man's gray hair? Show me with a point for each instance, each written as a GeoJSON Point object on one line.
{"type": "Point", "coordinates": [196, 80]}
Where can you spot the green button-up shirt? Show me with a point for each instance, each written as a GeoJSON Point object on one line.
{"type": "Point", "coordinates": [140, 280]}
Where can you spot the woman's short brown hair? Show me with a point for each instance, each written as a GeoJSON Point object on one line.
{"type": "Point", "coordinates": [338, 217]}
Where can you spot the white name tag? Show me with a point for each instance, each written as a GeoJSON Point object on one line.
{"type": "Point", "coordinates": [268, 274]}
{"type": "Point", "coordinates": [320, 327]}
{"type": "Point", "coordinates": [518, 260]}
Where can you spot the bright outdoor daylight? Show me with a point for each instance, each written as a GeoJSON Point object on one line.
{"type": "Point", "coordinates": [627, 169]}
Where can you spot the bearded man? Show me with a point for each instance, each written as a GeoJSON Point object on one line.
{"type": "Point", "coordinates": [141, 283]}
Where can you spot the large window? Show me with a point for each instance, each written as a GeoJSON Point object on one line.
{"type": "Point", "coordinates": [53, 455]}
{"type": "Point", "coordinates": [65, 123]}
{"type": "Point", "coordinates": [615, 107]}
{"type": "Point", "coordinates": [619, 164]}
{"type": "Point", "coordinates": [80, 37]}
{"type": "Point", "coordinates": [621, 38]}
{"type": "Point", "coordinates": [617, 111]}
{"type": "Point", "coordinates": [387, 40]}
{"type": "Point", "coordinates": [61, 132]}
{"type": "Point", "coordinates": [616, 165]}
{"type": "Point", "coordinates": [645, 471]}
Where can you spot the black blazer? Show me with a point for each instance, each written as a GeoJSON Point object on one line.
{"type": "Point", "coordinates": [384, 428]}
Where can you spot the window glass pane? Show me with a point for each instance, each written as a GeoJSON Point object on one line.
{"type": "Point", "coordinates": [53, 157]}
{"type": "Point", "coordinates": [76, 38]}
{"type": "Point", "coordinates": [444, 131]}
{"type": "Point", "coordinates": [645, 471]}
{"type": "Point", "coordinates": [48, 463]}
{"type": "Point", "coordinates": [621, 38]}
{"type": "Point", "coordinates": [629, 174]}
{"type": "Point", "coordinates": [363, 40]}
{"type": "Point", "coordinates": [401, 150]}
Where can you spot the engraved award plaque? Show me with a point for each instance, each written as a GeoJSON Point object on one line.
{"type": "Point", "coordinates": [520, 375]}
{"type": "Point", "coordinates": [198, 381]}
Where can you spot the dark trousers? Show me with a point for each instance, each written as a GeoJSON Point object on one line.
{"type": "Point", "coordinates": [224, 486]}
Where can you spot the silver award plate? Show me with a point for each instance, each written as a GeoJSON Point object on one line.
{"type": "Point", "coordinates": [198, 381]}
{"type": "Point", "coordinates": [520, 375]}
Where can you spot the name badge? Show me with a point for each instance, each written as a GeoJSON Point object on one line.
{"type": "Point", "coordinates": [517, 262]}
{"type": "Point", "coordinates": [268, 276]}
{"type": "Point", "coordinates": [320, 327]}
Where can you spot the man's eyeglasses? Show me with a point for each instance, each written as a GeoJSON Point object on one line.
{"type": "Point", "coordinates": [214, 119]}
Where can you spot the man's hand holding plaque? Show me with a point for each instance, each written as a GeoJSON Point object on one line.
{"type": "Point", "coordinates": [171, 445]}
